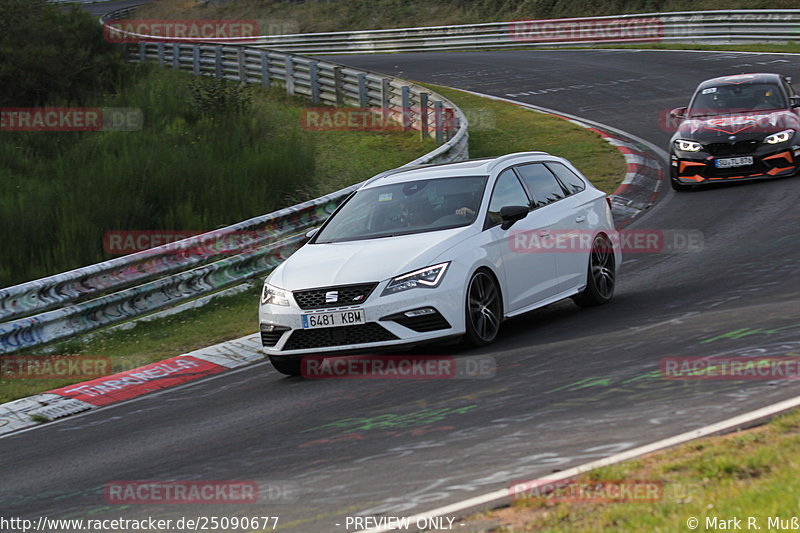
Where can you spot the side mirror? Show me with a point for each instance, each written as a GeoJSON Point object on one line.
{"type": "Point", "coordinates": [310, 235]}
{"type": "Point", "coordinates": [795, 101]}
{"type": "Point", "coordinates": [678, 112]}
{"type": "Point", "coordinates": [512, 213]}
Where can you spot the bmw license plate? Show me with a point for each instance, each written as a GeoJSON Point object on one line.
{"type": "Point", "coordinates": [730, 162]}
{"type": "Point", "coordinates": [330, 320]}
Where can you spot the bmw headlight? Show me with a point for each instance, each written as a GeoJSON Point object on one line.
{"type": "Point", "coordinates": [780, 137]}
{"type": "Point", "coordinates": [688, 146]}
{"type": "Point", "coordinates": [428, 277]}
{"type": "Point", "coordinates": [273, 295]}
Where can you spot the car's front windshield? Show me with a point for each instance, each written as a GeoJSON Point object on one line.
{"type": "Point", "coordinates": [727, 99]}
{"type": "Point", "coordinates": [406, 208]}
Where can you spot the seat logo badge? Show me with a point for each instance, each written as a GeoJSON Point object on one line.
{"type": "Point", "coordinates": [331, 297]}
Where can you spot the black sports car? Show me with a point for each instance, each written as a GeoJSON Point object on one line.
{"type": "Point", "coordinates": [736, 128]}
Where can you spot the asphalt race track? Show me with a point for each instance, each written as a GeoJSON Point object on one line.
{"type": "Point", "coordinates": [101, 8]}
{"type": "Point", "coordinates": [571, 384]}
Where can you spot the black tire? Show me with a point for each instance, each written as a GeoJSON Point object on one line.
{"type": "Point", "coordinates": [679, 186]}
{"type": "Point", "coordinates": [286, 365]}
{"type": "Point", "coordinates": [483, 308]}
{"type": "Point", "coordinates": [601, 276]}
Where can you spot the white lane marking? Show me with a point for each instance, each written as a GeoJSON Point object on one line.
{"type": "Point", "coordinates": [497, 495]}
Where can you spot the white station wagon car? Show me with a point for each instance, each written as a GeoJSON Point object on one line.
{"type": "Point", "coordinates": [435, 252]}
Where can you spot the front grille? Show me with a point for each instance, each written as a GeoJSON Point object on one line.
{"type": "Point", "coordinates": [270, 335]}
{"type": "Point", "coordinates": [737, 148]}
{"type": "Point", "coordinates": [421, 324]}
{"type": "Point", "coordinates": [302, 339]}
{"type": "Point", "coordinates": [345, 295]}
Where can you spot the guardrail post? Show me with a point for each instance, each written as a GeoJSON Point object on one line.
{"type": "Point", "coordinates": [218, 62]}
{"type": "Point", "coordinates": [160, 54]}
{"type": "Point", "coordinates": [242, 67]}
{"type": "Point", "coordinates": [338, 88]}
{"type": "Point", "coordinates": [386, 101]}
{"type": "Point", "coordinates": [176, 55]}
{"type": "Point", "coordinates": [265, 69]}
{"type": "Point", "coordinates": [363, 97]}
{"type": "Point", "coordinates": [289, 76]}
{"type": "Point", "coordinates": [196, 60]}
{"type": "Point", "coordinates": [313, 76]}
{"type": "Point", "coordinates": [406, 97]}
{"type": "Point", "coordinates": [142, 51]}
{"type": "Point", "coordinates": [438, 122]}
{"type": "Point", "coordinates": [423, 115]}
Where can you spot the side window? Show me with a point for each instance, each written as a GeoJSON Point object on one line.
{"type": "Point", "coordinates": [568, 178]}
{"type": "Point", "coordinates": [541, 183]}
{"type": "Point", "coordinates": [507, 191]}
{"type": "Point", "coordinates": [789, 90]}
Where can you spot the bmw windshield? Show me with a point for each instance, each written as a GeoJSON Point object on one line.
{"type": "Point", "coordinates": [737, 98]}
{"type": "Point", "coordinates": [406, 208]}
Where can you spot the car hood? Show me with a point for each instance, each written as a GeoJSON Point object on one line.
{"type": "Point", "coordinates": [342, 263]}
{"type": "Point", "coordinates": [744, 126]}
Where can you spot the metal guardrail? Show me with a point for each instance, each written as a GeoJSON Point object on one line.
{"type": "Point", "coordinates": [84, 299]}
{"type": "Point", "coordinates": [708, 27]}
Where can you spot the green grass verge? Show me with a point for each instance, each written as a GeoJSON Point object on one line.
{"type": "Point", "coordinates": [343, 158]}
{"type": "Point", "coordinates": [753, 473]}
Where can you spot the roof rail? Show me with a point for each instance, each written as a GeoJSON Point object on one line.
{"type": "Point", "coordinates": [409, 168]}
{"type": "Point", "coordinates": [495, 161]}
{"type": "Point", "coordinates": [510, 157]}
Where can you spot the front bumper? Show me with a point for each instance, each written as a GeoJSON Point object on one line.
{"type": "Point", "coordinates": [689, 168]}
{"type": "Point", "coordinates": [282, 331]}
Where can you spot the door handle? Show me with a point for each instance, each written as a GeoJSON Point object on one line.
{"type": "Point", "coordinates": [544, 233]}
{"type": "Point", "coordinates": [580, 218]}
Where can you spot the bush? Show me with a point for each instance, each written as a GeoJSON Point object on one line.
{"type": "Point", "coordinates": [185, 171]}
{"type": "Point", "coordinates": [54, 56]}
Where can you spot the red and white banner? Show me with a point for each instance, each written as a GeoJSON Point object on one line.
{"type": "Point", "coordinates": [133, 383]}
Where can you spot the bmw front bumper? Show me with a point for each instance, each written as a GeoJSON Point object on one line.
{"type": "Point", "coordinates": [690, 168]}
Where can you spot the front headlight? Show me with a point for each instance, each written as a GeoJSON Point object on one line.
{"type": "Point", "coordinates": [428, 277]}
{"type": "Point", "coordinates": [688, 146]}
{"type": "Point", "coordinates": [273, 295]}
{"type": "Point", "coordinates": [780, 137]}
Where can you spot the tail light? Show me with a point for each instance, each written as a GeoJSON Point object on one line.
{"type": "Point", "coordinates": [608, 201]}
